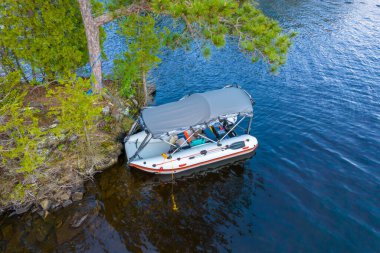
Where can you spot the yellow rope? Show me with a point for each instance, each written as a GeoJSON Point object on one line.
{"type": "Point", "coordinates": [175, 208]}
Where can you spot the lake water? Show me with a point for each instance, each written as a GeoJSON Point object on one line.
{"type": "Point", "coordinates": [314, 185]}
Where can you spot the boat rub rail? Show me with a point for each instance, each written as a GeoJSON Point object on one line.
{"type": "Point", "coordinates": [244, 151]}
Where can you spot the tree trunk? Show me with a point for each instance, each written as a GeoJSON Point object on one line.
{"type": "Point", "coordinates": [145, 101]}
{"type": "Point", "coordinates": [91, 26]}
{"type": "Point", "coordinates": [93, 43]}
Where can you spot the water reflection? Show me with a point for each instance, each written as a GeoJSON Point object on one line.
{"type": "Point", "coordinates": [126, 210]}
{"type": "Point", "coordinates": [187, 213]}
{"type": "Point", "coordinates": [33, 233]}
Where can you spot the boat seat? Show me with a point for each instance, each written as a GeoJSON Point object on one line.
{"type": "Point", "coordinates": [210, 134]}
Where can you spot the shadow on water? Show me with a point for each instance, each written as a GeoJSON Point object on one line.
{"type": "Point", "coordinates": [127, 210]}
{"type": "Point", "coordinates": [173, 213]}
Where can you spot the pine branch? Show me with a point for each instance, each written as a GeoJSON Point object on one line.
{"type": "Point", "coordinates": [124, 11]}
{"type": "Point", "coordinates": [191, 31]}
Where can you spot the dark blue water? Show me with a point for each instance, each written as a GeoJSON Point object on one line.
{"type": "Point", "coordinates": [318, 124]}
{"type": "Point", "coordinates": [314, 185]}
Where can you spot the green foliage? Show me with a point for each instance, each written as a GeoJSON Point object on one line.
{"type": "Point", "coordinates": [8, 89]}
{"type": "Point", "coordinates": [214, 20]}
{"type": "Point", "coordinates": [144, 43]}
{"type": "Point", "coordinates": [206, 22]}
{"type": "Point", "coordinates": [76, 111]}
{"type": "Point", "coordinates": [18, 192]}
{"type": "Point", "coordinates": [46, 38]}
{"type": "Point", "coordinates": [24, 144]}
{"type": "Point", "coordinates": [206, 52]}
{"type": "Point", "coordinates": [116, 4]}
{"type": "Point", "coordinates": [19, 130]}
{"type": "Point", "coordinates": [97, 8]}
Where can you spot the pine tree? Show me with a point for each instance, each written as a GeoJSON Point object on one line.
{"type": "Point", "coordinates": [46, 40]}
{"type": "Point", "coordinates": [208, 22]}
{"type": "Point", "coordinates": [43, 40]}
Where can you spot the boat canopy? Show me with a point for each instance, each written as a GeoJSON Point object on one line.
{"type": "Point", "coordinates": [196, 109]}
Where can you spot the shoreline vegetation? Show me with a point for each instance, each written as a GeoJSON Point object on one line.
{"type": "Point", "coordinates": [51, 148]}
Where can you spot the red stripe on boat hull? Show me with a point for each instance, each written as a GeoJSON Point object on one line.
{"type": "Point", "coordinates": [194, 165]}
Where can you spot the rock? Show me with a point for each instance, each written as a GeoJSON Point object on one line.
{"type": "Point", "coordinates": [73, 138]}
{"type": "Point", "coordinates": [30, 179]}
{"type": "Point", "coordinates": [45, 204]}
{"type": "Point", "coordinates": [64, 196]}
{"type": "Point", "coordinates": [53, 126]}
{"type": "Point", "coordinates": [56, 206]}
{"type": "Point", "coordinates": [106, 111]}
{"type": "Point", "coordinates": [23, 209]}
{"type": "Point", "coordinates": [76, 196]}
{"type": "Point", "coordinates": [126, 111]}
{"type": "Point", "coordinates": [135, 101]}
{"type": "Point", "coordinates": [35, 104]}
{"type": "Point", "coordinates": [49, 142]}
{"type": "Point", "coordinates": [67, 203]}
{"type": "Point", "coordinates": [77, 222]}
{"type": "Point", "coordinates": [41, 213]}
{"type": "Point", "coordinates": [151, 89]}
{"type": "Point", "coordinates": [119, 114]}
{"type": "Point", "coordinates": [28, 108]}
{"type": "Point", "coordinates": [43, 152]}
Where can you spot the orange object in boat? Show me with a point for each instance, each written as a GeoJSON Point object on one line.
{"type": "Point", "coordinates": [187, 136]}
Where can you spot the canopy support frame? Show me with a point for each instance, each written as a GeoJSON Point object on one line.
{"type": "Point", "coordinates": [231, 130]}
{"type": "Point", "coordinates": [143, 144]}
{"type": "Point", "coordinates": [201, 135]}
{"type": "Point", "coordinates": [183, 143]}
{"type": "Point", "coordinates": [249, 125]}
{"type": "Point", "coordinates": [132, 130]}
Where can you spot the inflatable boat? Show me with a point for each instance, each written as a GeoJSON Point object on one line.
{"type": "Point", "coordinates": [198, 130]}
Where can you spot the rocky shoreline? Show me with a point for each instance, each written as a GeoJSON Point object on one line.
{"type": "Point", "coordinates": [65, 173]}
{"type": "Point", "coordinates": [66, 184]}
